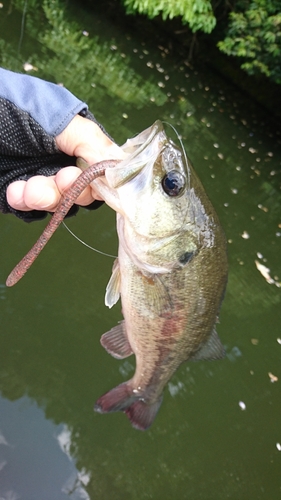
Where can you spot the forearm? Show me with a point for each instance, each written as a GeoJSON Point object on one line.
{"type": "Point", "coordinates": [33, 112]}
{"type": "Point", "coordinates": [51, 106]}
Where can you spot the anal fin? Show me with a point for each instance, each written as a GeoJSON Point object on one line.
{"type": "Point", "coordinates": [116, 342]}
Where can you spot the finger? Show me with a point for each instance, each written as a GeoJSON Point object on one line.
{"type": "Point", "coordinates": [41, 193]}
{"type": "Point", "coordinates": [64, 179]}
{"type": "Point", "coordinates": [109, 151]}
{"type": "Point", "coordinates": [15, 195]}
{"type": "Point", "coordinates": [83, 137]}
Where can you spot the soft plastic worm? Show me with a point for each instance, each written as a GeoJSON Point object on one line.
{"type": "Point", "coordinates": [67, 200]}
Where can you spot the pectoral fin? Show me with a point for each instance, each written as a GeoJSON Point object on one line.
{"type": "Point", "coordinates": [116, 343]}
{"type": "Point", "coordinates": [158, 297]}
{"type": "Point", "coordinates": [211, 350]}
{"type": "Point", "coordinates": [112, 293]}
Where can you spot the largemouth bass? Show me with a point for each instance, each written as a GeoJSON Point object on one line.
{"type": "Point", "coordinates": [171, 271]}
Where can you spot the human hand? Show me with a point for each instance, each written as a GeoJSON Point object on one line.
{"type": "Point", "coordinates": [81, 138]}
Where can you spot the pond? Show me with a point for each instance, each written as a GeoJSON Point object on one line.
{"type": "Point", "coordinates": [218, 432]}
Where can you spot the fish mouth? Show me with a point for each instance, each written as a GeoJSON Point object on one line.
{"type": "Point", "coordinates": [150, 159]}
{"type": "Point", "coordinates": [149, 141]}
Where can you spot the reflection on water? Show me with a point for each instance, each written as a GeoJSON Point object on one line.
{"type": "Point", "coordinates": [34, 456]}
{"type": "Point", "coordinates": [218, 433]}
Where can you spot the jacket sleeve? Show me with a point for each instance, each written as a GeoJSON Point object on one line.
{"type": "Point", "coordinates": [32, 113]}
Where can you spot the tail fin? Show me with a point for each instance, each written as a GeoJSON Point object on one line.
{"type": "Point", "coordinates": [122, 398]}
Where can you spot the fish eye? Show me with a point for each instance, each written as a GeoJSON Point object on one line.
{"type": "Point", "coordinates": [173, 183]}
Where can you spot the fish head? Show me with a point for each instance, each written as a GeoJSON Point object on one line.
{"type": "Point", "coordinates": [149, 188]}
{"type": "Point", "coordinates": [164, 215]}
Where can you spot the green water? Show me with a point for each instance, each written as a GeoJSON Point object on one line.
{"type": "Point", "coordinates": [218, 433]}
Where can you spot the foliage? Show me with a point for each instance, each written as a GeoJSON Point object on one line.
{"type": "Point", "coordinates": [198, 14]}
{"type": "Point", "coordinates": [253, 31]}
{"type": "Point", "coordinates": [254, 34]}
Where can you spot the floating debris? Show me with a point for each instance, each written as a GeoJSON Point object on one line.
{"type": "Point", "coordinates": [278, 446]}
{"type": "Point", "coordinates": [125, 115]}
{"type": "Point", "coordinates": [234, 190]}
{"type": "Point", "coordinates": [255, 341]}
{"type": "Point", "coordinates": [261, 207]}
{"type": "Point", "coordinates": [29, 67]}
{"type": "Point", "coordinates": [272, 377]}
{"type": "Point", "coordinates": [85, 33]}
{"type": "Point", "coordinates": [279, 341]}
{"type": "Point", "coordinates": [242, 405]}
{"type": "Point", "coordinates": [245, 235]}
{"type": "Point", "coordinates": [265, 272]}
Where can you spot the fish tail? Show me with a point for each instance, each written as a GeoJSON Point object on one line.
{"type": "Point", "coordinates": [122, 398]}
{"type": "Point", "coordinates": [141, 414]}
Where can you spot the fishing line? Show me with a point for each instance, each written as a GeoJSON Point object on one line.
{"type": "Point", "coordinates": [22, 25]}
{"type": "Point", "coordinates": [86, 244]}
{"type": "Point", "coordinates": [182, 146]}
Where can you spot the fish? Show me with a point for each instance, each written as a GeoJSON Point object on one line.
{"type": "Point", "coordinates": [170, 273]}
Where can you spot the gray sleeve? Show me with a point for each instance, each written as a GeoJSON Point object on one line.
{"type": "Point", "coordinates": [50, 105]}
{"type": "Point", "coordinates": [32, 113]}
